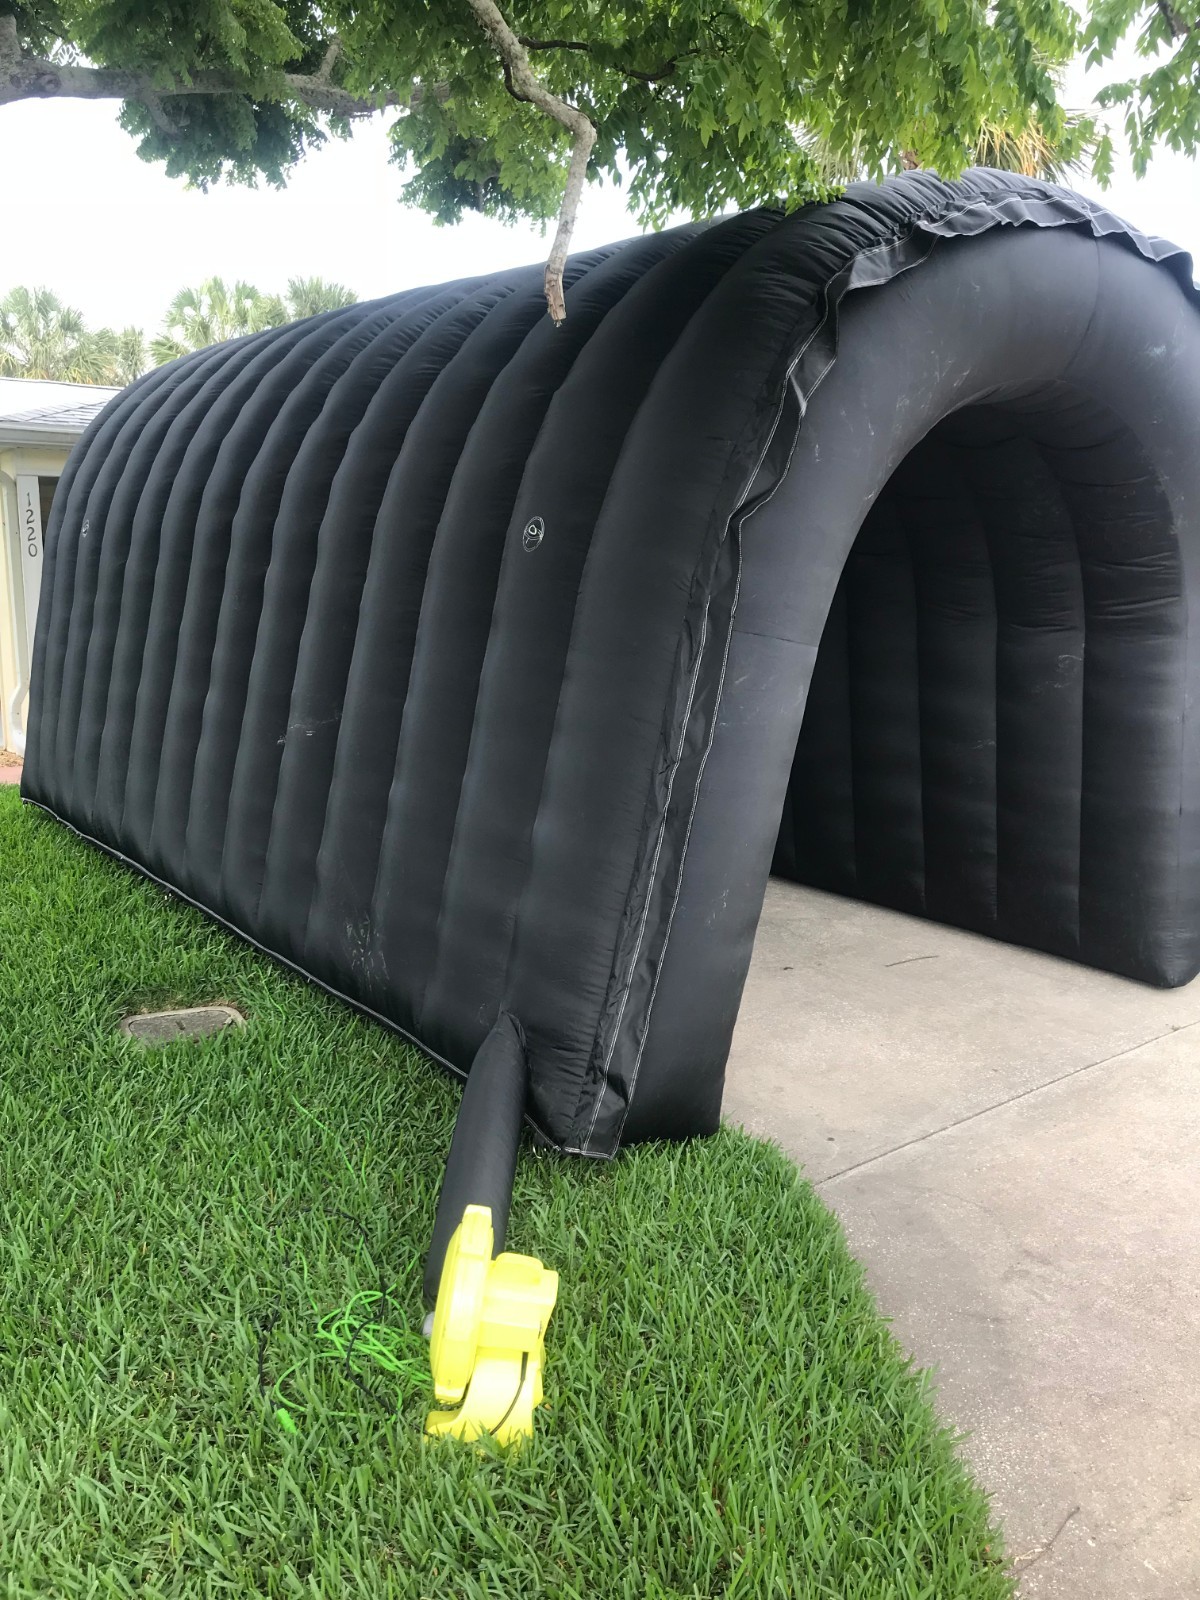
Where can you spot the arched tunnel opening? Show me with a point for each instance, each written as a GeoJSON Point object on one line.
{"type": "Point", "coordinates": [994, 715]}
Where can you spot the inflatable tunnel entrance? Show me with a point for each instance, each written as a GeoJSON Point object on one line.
{"type": "Point", "coordinates": [992, 732]}
{"type": "Point", "coordinates": [483, 670]}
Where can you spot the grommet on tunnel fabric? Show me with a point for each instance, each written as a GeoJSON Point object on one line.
{"type": "Point", "coordinates": [533, 533]}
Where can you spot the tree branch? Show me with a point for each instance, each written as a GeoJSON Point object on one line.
{"type": "Point", "coordinates": [522, 83]}
{"type": "Point", "coordinates": [10, 44]}
{"type": "Point", "coordinates": [324, 72]}
{"type": "Point", "coordinates": [552, 44]}
{"type": "Point", "coordinates": [1179, 28]}
{"type": "Point", "coordinates": [159, 116]}
{"type": "Point", "coordinates": [667, 70]}
{"type": "Point", "coordinates": [25, 77]}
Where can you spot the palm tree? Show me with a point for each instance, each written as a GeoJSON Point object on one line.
{"type": "Point", "coordinates": [216, 310]}
{"type": "Point", "coordinates": [40, 337]}
{"type": "Point", "coordinates": [308, 297]}
{"type": "Point", "coordinates": [1031, 150]}
{"type": "Point", "coordinates": [212, 312]}
{"type": "Point", "coordinates": [125, 350]}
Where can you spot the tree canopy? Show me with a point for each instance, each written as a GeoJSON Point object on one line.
{"type": "Point", "coordinates": [691, 104]}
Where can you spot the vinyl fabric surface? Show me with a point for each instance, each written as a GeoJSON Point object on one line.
{"type": "Point", "coordinates": [478, 667]}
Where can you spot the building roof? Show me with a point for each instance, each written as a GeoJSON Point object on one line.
{"type": "Point", "coordinates": [33, 411]}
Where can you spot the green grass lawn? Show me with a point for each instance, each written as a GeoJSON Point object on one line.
{"type": "Point", "coordinates": [727, 1414]}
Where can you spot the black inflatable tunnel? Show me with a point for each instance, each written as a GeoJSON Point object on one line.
{"type": "Point", "coordinates": [484, 670]}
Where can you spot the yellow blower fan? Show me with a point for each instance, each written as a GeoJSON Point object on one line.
{"type": "Point", "coordinates": [489, 1328]}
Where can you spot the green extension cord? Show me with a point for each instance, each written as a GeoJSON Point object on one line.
{"type": "Point", "coordinates": [352, 1335]}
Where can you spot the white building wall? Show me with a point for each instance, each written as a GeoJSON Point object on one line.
{"type": "Point", "coordinates": [21, 536]}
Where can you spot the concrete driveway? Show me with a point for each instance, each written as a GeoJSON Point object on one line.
{"type": "Point", "coordinates": [1013, 1145]}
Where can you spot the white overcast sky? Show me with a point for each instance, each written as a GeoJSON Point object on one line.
{"type": "Point", "coordinates": [115, 237]}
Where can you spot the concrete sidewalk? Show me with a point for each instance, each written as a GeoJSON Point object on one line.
{"type": "Point", "coordinates": [1013, 1145]}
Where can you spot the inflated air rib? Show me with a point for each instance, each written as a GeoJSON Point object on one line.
{"type": "Point", "coordinates": [483, 670]}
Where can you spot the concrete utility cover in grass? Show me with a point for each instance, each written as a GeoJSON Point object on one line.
{"type": "Point", "coordinates": [166, 1027]}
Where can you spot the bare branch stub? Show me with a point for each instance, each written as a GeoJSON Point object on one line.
{"type": "Point", "coordinates": [333, 50]}
{"type": "Point", "coordinates": [162, 121]}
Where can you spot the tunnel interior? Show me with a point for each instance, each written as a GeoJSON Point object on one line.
{"type": "Point", "coordinates": [992, 733]}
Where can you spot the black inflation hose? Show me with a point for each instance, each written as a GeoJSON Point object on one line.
{"type": "Point", "coordinates": [482, 1162]}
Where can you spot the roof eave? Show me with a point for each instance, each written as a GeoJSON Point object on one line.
{"type": "Point", "coordinates": [38, 436]}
